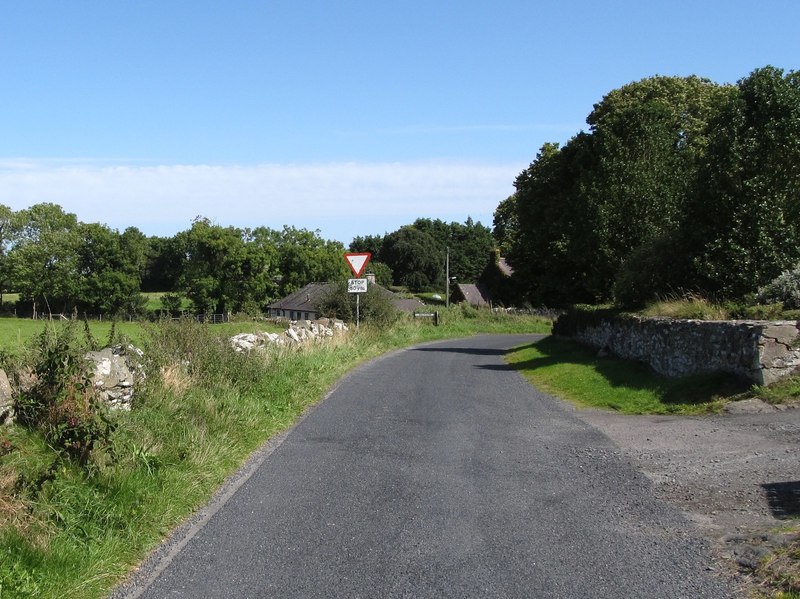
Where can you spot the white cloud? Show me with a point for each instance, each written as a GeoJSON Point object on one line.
{"type": "Point", "coordinates": [340, 199]}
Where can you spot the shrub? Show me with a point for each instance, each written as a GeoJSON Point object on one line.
{"type": "Point", "coordinates": [375, 306]}
{"type": "Point", "coordinates": [784, 289]}
{"type": "Point", "coordinates": [468, 311]}
{"type": "Point", "coordinates": [171, 303]}
{"type": "Point", "coordinates": [60, 400]}
{"type": "Point", "coordinates": [756, 312]}
{"type": "Point", "coordinates": [337, 304]}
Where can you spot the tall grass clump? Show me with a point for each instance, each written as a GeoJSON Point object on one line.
{"type": "Point", "coordinates": [688, 307]}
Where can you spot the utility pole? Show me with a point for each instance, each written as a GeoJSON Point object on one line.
{"type": "Point", "coordinates": [447, 278]}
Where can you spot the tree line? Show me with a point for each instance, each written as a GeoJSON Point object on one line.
{"type": "Point", "coordinates": [58, 264]}
{"type": "Point", "coordinates": [679, 185]}
{"type": "Point", "coordinates": [414, 256]}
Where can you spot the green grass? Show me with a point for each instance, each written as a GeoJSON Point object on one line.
{"type": "Point", "coordinates": [10, 298]}
{"type": "Point", "coordinates": [572, 372]}
{"type": "Point", "coordinates": [154, 301]}
{"type": "Point", "coordinates": [780, 569]}
{"type": "Point", "coordinates": [699, 308]}
{"type": "Point", "coordinates": [696, 308]}
{"type": "Point", "coordinates": [17, 333]}
{"type": "Point", "coordinates": [783, 391]}
{"type": "Point", "coordinates": [70, 532]}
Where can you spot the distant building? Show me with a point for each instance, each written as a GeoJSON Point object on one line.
{"type": "Point", "coordinates": [304, 303]}
{"type": "Point", "coordinates": [498, 282]}
{"type": "Point", "coordinates": [474, 294]}
{"type": "Point", "coordinates": [494, 288]}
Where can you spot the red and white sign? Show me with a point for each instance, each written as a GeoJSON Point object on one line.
{"type": "Point", "coordinates": [358, 262]}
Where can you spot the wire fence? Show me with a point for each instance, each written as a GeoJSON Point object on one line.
{"type": "Point", "coordinates": [209, 318]}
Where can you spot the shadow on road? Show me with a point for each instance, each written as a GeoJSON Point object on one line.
{"type": "Point", "coordinates": [783, 499]}
{"type": "Point", "coordinates": [495, 367]}
{"type": "Point", "coordinates": [465, 350]}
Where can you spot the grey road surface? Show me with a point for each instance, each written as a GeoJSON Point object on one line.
{"type": "Point", "coordinates": [437, 471]}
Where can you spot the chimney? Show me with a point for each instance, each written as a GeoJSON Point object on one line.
{"type": "Point", "coordinates": [370, 276]}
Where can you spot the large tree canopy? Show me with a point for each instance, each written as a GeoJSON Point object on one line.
{"type": "Point", "coordinates": [302, 257]}
{"type": "Point", "coordinates": [680, 184]}
{"type": "Point", "coordinates": [227, 269]}
{"type": "Point", "coordinates": [43, 256]}
{"type": "Point", "coordinates": [744, 222]}
{"type": "Point", "coordinates": [108, 280]}
{"type": "Point", "coordinates": [415, 259]}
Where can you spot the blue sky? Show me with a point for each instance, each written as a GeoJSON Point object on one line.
{"type": "Point", "coordinates": [351, 117]}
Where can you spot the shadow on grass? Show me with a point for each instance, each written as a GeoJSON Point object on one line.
{"type": "Point", "coordinates": [626, 374]}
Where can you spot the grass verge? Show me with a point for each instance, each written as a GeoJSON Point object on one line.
{"type": "Point", "coordinates": [572, 372]}
{"type": "Point", "coordinates": [780, 570]}
{"type": "Point", "coordinates": [74, 531]}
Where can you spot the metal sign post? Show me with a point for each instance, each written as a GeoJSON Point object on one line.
{"type": "Point", "coordinates": [357, 286]}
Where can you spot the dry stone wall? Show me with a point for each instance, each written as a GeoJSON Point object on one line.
{"type": "Point", "coordinates": [760, 351]}
{"type": "Point", "coordinates": [297, 333]}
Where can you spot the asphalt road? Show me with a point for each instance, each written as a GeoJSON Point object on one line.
{"type": "Point", "coordinates": [437, 471]}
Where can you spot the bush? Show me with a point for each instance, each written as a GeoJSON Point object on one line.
{"type": "Point", "coordinates": [468, 311]}
{"type": "Point", "coordinates": [375, 306]}
{"type": "Point", "coordinates": [784, 289]}
{"type": "Point", "coordinates": [755, 312]}
{"type": "Point", "coordinates": [60, 401]}
{"type": "Point", "coordinates": [171, 303]}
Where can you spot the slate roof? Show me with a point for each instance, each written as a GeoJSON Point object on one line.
{"type": "Point", "coordinates": [473, 294]}
{"type": "Point", "coordinates": [306, 299]}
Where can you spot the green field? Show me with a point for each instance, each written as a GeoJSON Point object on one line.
{"type": "Point", "coordinates": [16, 333]}
{"type": "Point", "coordinates": [153, 301]}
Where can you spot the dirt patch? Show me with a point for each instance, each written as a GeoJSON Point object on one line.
{"type": "Point", "coordinates": [736, 475]}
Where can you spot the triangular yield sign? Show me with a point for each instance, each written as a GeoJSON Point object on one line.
{"type": "Point", "coordinates": [358, 262]}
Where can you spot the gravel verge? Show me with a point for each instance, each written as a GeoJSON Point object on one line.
{"type": "Point", "coordinates": [735, 475]}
